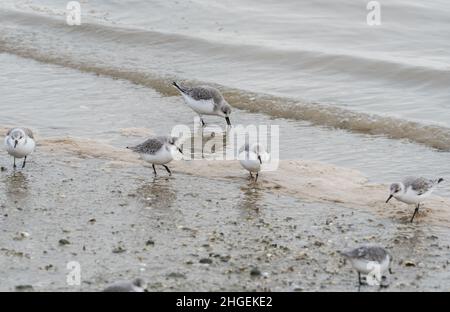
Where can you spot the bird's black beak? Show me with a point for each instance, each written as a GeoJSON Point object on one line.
{"type": "Point", "coordinates": [259, 158]}
{"type": "Point", "coordinates": [228, 121]}
{"type": "Point", "coordinates": [179, 149]}
{"type": "Point", "coordinates": [15, 143]}
{"type": "Point", "coordinates": [390, 196]}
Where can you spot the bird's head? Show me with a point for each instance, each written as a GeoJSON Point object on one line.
{"type": "Point", "coordinates": [225, 111]}
{"type": "Point", "coordinates": [18, 137]}
{"type": "Point", "coordinates": [395, 189]}
{"type": "Point", "coordinates": [172, 141]}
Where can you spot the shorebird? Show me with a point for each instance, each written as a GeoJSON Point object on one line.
{"type": "Point", "coordinates": [250, 158]}
{"type": "Point", "coordinates": [413, 191]}
{"type": "Point", "coordinates": [205, 100]}
{"type": "Point", "coordinates": [157, 151]}
{"type": "Point", "coordinates": [19, 143]}
{"type": "Point", "coordinates": [369, 259]}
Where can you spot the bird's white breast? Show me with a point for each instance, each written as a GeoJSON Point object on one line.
{"type": "Point", "coordinates": [161, 157]}
{"type": "Point", "coordinates": [411, 196]}
{"type": "Point", "coordinates": [250, 161]}
{"type": "Point", "coordinates": [365, 266]}
{"type": "Point", "coordinates": [21, 150]}
{"type": "Point", "coordinates": [202, 107]}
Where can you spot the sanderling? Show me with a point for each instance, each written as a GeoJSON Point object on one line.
{"type": "Point", "coordinates": [137, 285]}
{"type": "Point", "coordinates": [19, 143]}
{"type": "Point", "coordinates": [413, 191]}
{"type": "Point", "coordinates": [369, 259]}
{"type": "Point", "coordinates": [205, 100]}
{"type": "Point", "coordinates": [157, 151]}
{"type": "Point", "coordinates": [250, 158]}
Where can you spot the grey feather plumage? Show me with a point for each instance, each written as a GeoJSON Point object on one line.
{"type": "Point", "coordinates": [137, 285]}
{"type": "Point", "coordinates": [420, 185]}
{"type": "Point", "coordinates": [150, 146]}
{"type": "Point", "coordinates": [120, 287]}
{"type": "Point", "coordinates": [27, 131]}
{"type": "Point", "coordinates": [205, 93]}
{"type": "Point", "coordinates": [370, 253]}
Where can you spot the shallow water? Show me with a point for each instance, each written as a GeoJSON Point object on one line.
{"type": "Point", "coordinates": [318, 61]}
{"type": "Point", "coordinates": [68, 103]}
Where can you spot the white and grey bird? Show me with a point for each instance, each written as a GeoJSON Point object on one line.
{"type": "Point", "coordinates": [19, 143]}
{"type": "Point", "coordinates": [413, 190]}
{"type": "Point", "coordinates": [205, 100]}
{"type": "Point", "coordinates": [158, 151]}
{"type": "Point", "coordinates": [251, 158]}
{"type": "Point", "coordinates": [369, 259]}
{"type": "Point", "coordinates": [137, 285]}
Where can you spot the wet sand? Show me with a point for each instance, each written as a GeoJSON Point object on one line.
{"type": "Point", "coordinates": [205, 228]}
{"type": "Point", "coordinates": [307, 180]}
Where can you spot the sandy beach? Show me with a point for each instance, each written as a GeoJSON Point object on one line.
{"type": "Point", "coordinates": [281, 235]}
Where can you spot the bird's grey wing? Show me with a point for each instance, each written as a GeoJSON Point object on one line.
{"type": "Point", "coordinates": [119, 287]}
{"type": "Point", "coordinates": [420, 185]}
{"type": "Point", "coordinates": [151, 146]}
{"type": "Point", "coordinates": [354, 253]}
{"type": "Point", "coordinates": [375, 254]}
{"type": "Point", "coordinates": [205, 93]}
{"type": "Point", "coordinates": [29, 132]}
{"type": "Point", "coordinates": [369, 253]}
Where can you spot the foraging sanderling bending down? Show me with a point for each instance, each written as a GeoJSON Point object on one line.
{"type": "Point", "coordinates": [413, 191]}
{"type": "Point", "coordinates": [205, 100]}
{"type": "Point", "coordinates": [251, 158]}
{"type": "Point", "coordinates": [137, 285]}
{"type": "Point", "coordinates": [369, 259]}
{"type": "Point", "coordinates": [19, 143]}
{"type": "Point", "coordinates": [157, 151]}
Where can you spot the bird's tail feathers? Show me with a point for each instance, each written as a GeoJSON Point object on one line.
{"type": "Point", "coordinates": [344, 253]}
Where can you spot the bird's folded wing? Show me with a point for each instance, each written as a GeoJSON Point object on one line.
{"type": "Point", "coordinates": [151, 146]}
{"type": "Point", "coordinates": [205, 93]}
{"type": "Point", "coordinates": [421, 185]}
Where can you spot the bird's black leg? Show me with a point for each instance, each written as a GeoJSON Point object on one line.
{"type": "Point", "coordinates": [24, 162]}
{"type": "Point", "coordinates": [359, 281]}
{"type": "Point", "coordinates": [168, 170]}
{"type": "Point", "coordinates": [154, 169]}
{"type": "Point", "coordinates": [415, 211]}
{"type": "Point", "coordinates": [203, 123]}
{"type": "Point", "coordinates": [14, 163]}
{"type": "Point", "coordinates": [256, 179]}
{"type": "Point", "coordinates": [251, 175]}
{"type": "Point", "coordinates": [203, 144]}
